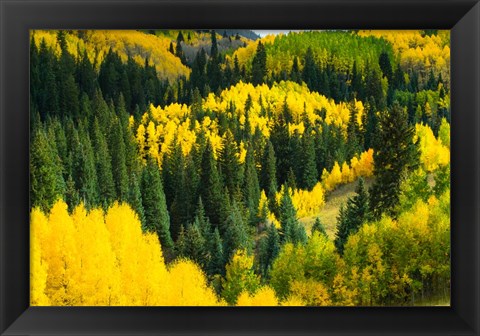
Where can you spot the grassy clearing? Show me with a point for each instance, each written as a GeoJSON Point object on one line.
{"type": "Point", "coordinates": [329, 213]}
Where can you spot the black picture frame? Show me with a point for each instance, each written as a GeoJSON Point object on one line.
{"type": "Point", "coordinates": [18, 16]}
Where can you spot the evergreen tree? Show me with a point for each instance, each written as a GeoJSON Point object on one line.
{"type": "Point", "coordinates": [386, 66]}
{"type": "Point", "coordinates": [237, 73]}
{"type": "Point", "coordinates": [214, 46]}
{"type": "Point", "coordinates": [103, 166]}
{"type": "Point", "coordinates": [217, 260]}
{"type": "Point", "coordinates": [86, 76]}
{"type": "Point", "coordinates": [194, 245]}
{"type": "Point", "coordinates": [352, 216]}
{"type": "Point", "coordinates": [292, 230]}
{"type": "Point", "coordinates": [295, 74]}
{"type": "Point", "coordinates": [135, 198]}
{"type": "Point", "coordinates": [319, 227]}
{"type": "Point", "coordinates": [268, 173]}
{"type": "Point", "coordinates": [236, 235]}
{"type": "Point", "coordinates": [211, 187]}
{"type": "Point", "coordinates": [157, 218]}
{"type": "Point", "coordinates": [309, 173]}
{"type": "Point", "coordinates": [259, 65]}
{"type": "Point", "coordinates": [399, 79]}
{"type": "Point", "coordinates": [119, 167]}
{"type": "Point", "coordinates": [46, 179]}
{"type": "Point", "coordinates": [356, 83]}
{"type": "Point", "coordinates": [371, 124]}
{"type": "Point", "coordinates": [229, 163]}
{"type": "Point", "coordinates": [72, 197]}
{"type": "Point", "coordinates": [269, 250]}
{"type": "Point", "coordinates": [198, 77]}
{"type": "Point", "coordinates": [373, 87]}
{"type": "Point", "coordinates": [214, 72]}
{"type": "Point", "coordinates": [280, 139]}
{"type": "Point", "coordinates": [173, 166]}
{"type": "Point", "coordinates": [394, 155]}
{"type": "Point", "coordinates": [181, 209]}
{"type": "Point", "coordinates": [353, 133]}
{"type": "Point", "coordinates": [83, 168]}
{"type": "Point", "coordinates": [251, 189]}
{"type": "Point", "coordinates": [309, 74]}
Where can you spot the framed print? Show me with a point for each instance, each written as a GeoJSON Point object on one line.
{"type": "Point", "coordinates": [230, 167]}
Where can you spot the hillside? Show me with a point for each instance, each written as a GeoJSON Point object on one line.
{"type": "Point", "coordinates": [206, 168]}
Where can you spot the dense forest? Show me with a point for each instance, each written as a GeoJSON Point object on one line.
{"type": "Point", "coordinates": [217, 168]}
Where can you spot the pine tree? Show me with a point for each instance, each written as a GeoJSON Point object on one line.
{"type": "Point", "coordinates": [399, 79]}
{"type": "Point", "coordinates": [280, 139]}
{"type": "Point", "coordinates": [269, 250]}
{"type": "Point", "coordinates": [269, 174]}
{"type": "Point", "coordinates": [214, 47]}
{"type": "Point", "coordinates": [229, 163]}
{"type": "Point", "coordinates": [236, 236]}
{"type": "Point", "coordinates": [353, 134]}
{"type": "Point", "coordinates": [46, 179]}
{"type": "Point", "coordinates": [103, 166]}
{"type": "Point", "coordinates": [72, 197]}
{"type": "Point", "coordinates": [371, 124]}
{"type": "Point", "coordinates": [373, 87]}
{"type": "Point", "coordinates": [83, 168]}
{"type": "Point", "coordinates": [211, 187]}
{"type": "Point", "coordinates": [181, 209]}
{"type": "Point", "coordinates": [173, 165]}
{"type": "Point", "coordinates": [214, 72]}
{"type": "Point", "coordinates": [386, 66]}
{"type": "Point", "coordinates": [394, 155]}
{"type": "Point", "coordinates": [295, 74]}
{"type": "Point", "coordinates": [292, 230]}
{"type": "Point", "coordinates": [119, 167]}
{"type": "Point", "coordinates": [251, 189]}
{"type": "Point", "coordinates": [157, 218]}
{"type": "Point", "coordinates": [356, 83]}
{"type": "Point", "coordinates": [352, 216]}
{"type": "Point", "coordinates": [309, 74]}
{"type": "Point", "coordinates": [309, 173]}
{"type": "Point", "coordinates": [217, 260]}
{"type": "Point", "coordinates": [135, 198]}
{"type": "Point", "coordinates": [198, 77]}
{"type": "Point", "coordinates": [194, 246]}
{"type": "Point", "coordinates": [319, 227]}
{"type": "Point", "coordinates": [259, 65]}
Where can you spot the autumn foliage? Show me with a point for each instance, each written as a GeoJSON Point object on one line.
{"type": "Point", "coordinates": [65, 272]}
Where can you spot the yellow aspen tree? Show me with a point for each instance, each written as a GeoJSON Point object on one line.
{"type": "Point", "coordinates": [265, 296]}
{"type": "Point", "coordinates": [311, 292]}
{"type": "Point", "coordinates": [189, 287]}
{"type": "Point", "coordinates": [97, 288]}
{"type": "Point", "coordinates": [141, 141]}
{"type": "Point", "coordinates": [63, 286]}
{"type": "Point", "coordinates": [38, 265]}
{"type": "Point", "coordinates": [346, 173]}
{"type": "Point", "coordinates": [126, 239]}
{"type": "Point", "coordinates": [292, 301]}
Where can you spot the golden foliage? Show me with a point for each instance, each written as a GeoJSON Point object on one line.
{"type": "Point", "coordinates": [359, 166]}
{"type": "Point", "coordinates": [308, 203]}
{"type": "Point", "coordinates": [97, 259]}
{"type": "Point", "coordinates": [143, 46]}
{"type": "Point", "coordinates": [311, 292]}
{"type": "Point", "coordinates": [433, 151]}
{"type": "Point", "coordinates": [419, 51]}
{"type": "Point", "coordinates": [264, 296]}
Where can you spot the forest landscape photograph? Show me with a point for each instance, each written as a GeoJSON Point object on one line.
{"type": "Point", "coordinates": [236, 167]}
